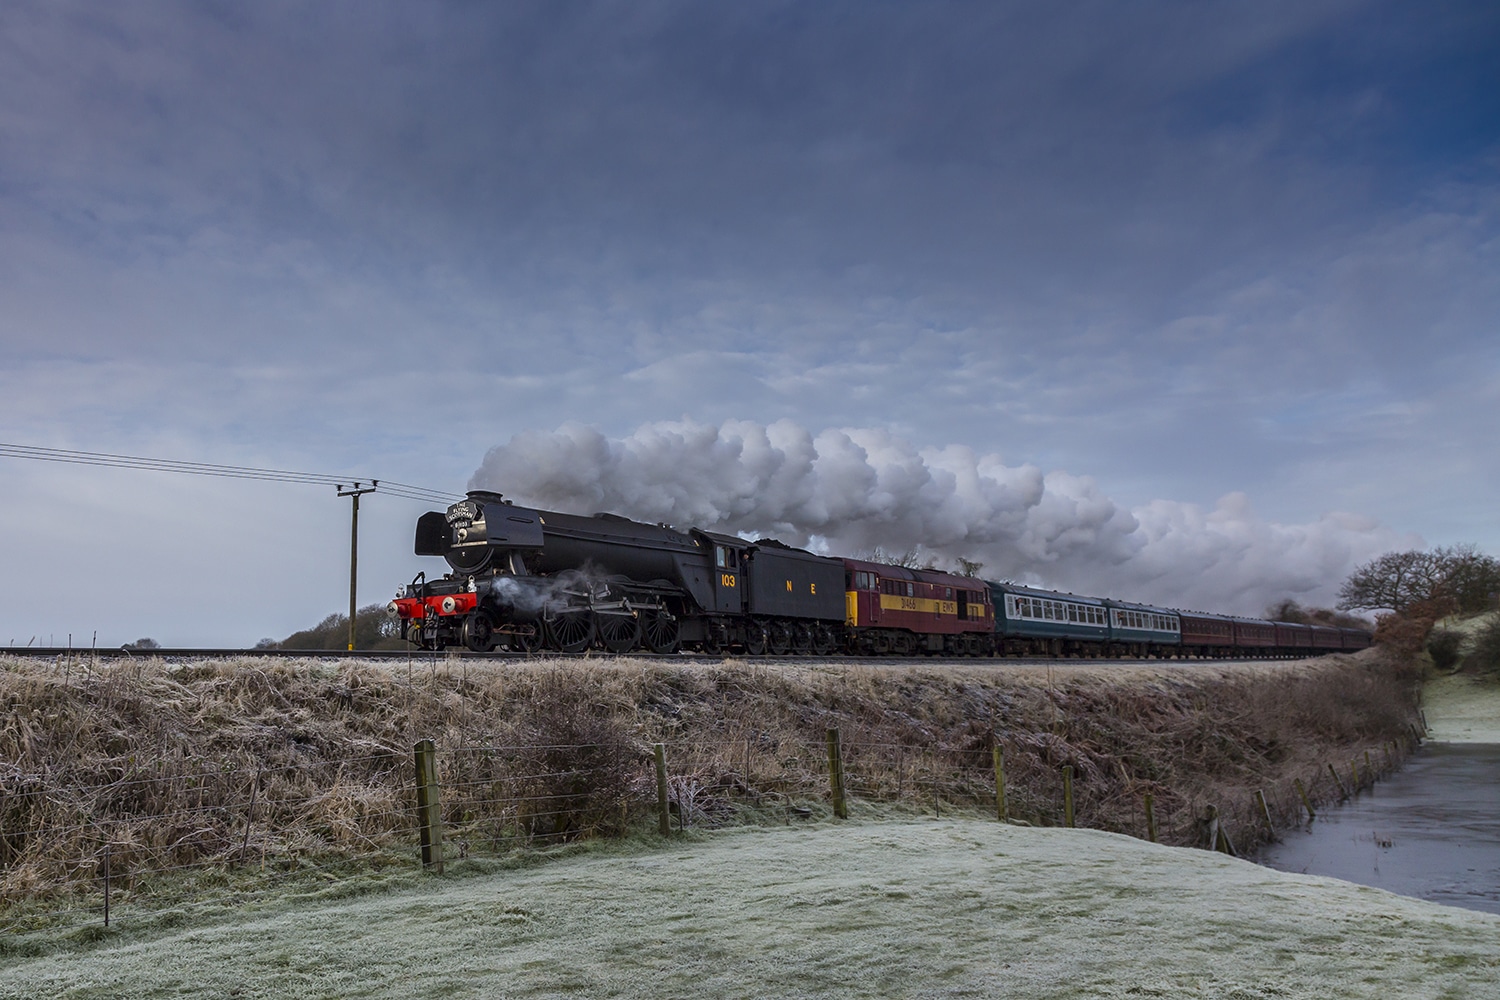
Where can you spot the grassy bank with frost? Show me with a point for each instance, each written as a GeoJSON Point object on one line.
{"type": "Point", "coordinates": [931, 908]}
{"type": "Point", "coordinates": [229, 772]}
{"type": "Point", "coordinates": [1462, 708]}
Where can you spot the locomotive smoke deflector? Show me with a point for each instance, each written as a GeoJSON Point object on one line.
{"type": "Point", "coordinates": [470, 532]}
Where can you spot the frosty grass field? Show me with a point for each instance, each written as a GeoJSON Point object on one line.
{"type": "Point", "coordinates": [928, 908]}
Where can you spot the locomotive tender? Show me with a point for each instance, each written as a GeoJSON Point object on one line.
{"type": "Point", "coordinates": [527, 579]}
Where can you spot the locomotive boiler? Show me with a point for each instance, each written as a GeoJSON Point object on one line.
{"type": "Point", "coordinates": [529, 579]}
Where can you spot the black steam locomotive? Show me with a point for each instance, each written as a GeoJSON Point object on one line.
{"type": "Point", "coordinates": [528, 580]}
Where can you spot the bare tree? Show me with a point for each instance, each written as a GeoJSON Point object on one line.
{"type": "Point", "coordinates": [1288, 610]}
{"type": "Point", "coordinates": [1459, 574]}
{"type": "Point", "coordinates": [969, 567]}
{"type": "Point", "coordinates": [1471, 578]}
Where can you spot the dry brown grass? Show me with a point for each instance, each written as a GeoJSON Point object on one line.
{"type": "Point", "coordinates": [159, 759]}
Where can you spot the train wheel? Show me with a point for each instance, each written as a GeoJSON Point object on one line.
{"type": "Point", "coordinates": [660, 633]}
{"type": "Point", "coordinates": [479, 632]}
{"type": "Point", "coordinates": [802, 640]}
{"type": "Point", "coordinates": [756, 639]}
{"type": "Point", "coordinates": [527, 641]}
{"type": "Point", "coordinates": [780, 642]}
{"type": "Point", "coordinates": [717, 640]}
{"type": "Point", "coordinates": [824, 640]}
{"type": "Point", "coordinates": [618, 633]}
{"type": "Point", "coordinates": [571, 631]}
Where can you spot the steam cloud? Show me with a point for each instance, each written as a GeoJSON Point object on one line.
{"type": "Point", "coordinates": [851, 491]}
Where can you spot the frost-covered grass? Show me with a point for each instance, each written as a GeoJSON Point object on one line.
{"type": "Point", "coordinates": [950, 908]}
{"type": "Point", "coordinates": [204, 766]}
{"type": "Point", "coordinates": [1462, 708]}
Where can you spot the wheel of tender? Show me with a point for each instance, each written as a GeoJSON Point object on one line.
{"type": "Point", "coordinates": [756, 639]}
{"type": "Point", "coordinates": [823, 640]}
{"type": "Point", "coordinates": [802, 640]}
{"type": "Point", "coordinates": [780, 642]}
{"type": "Point", "coordinates": [618, 633]}
{"type": "Point", "coordinates": [660, 633]}
{"type": "Point", "coordinates": [479, 632]}
{"type": "Point", "coordinates": [570, 631]}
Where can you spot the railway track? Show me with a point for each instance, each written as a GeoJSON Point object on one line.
{"type": "Point", "coordinates": [175, 654]}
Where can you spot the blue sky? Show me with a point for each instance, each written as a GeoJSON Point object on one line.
{"type": "Point", "coordinates": [1148, 256]}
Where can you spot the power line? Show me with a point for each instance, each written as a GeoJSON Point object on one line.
{"type": "Point", "coordinates": [117, 461]}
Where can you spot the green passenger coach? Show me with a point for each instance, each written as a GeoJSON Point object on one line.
{"type": "Point", "coordinates": [1033, 622]}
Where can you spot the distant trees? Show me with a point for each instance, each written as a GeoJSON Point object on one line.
{"type": "Point", "coordinates": [1288, 610]}
{"type": "Point", "coordinates": [1459, 577]}
{"type": "Point", "coordinates": [373, 629]}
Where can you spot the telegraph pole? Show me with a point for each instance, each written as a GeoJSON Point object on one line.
{"type": "Point", "coordinates": [354, 493]}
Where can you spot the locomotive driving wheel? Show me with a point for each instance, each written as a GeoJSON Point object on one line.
{"type": "Point", "coordinates": [660, 633]}
{"type": "Point", "coordinates": [570, 631]}
{"type": "Point", "coordinates": [618, 633]}
{"type": "Point", "coordinates": [479, 632]}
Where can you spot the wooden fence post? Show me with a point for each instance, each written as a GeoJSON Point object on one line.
{"type": "Point", "coordinates": [663, 811]}
{"type": "Point", "coordinates": [429, 806]}
{"type": "Point", "coordinates": [1265, 813]}
{"type": "Point", "coordinates": [836, 774]}
{"type": "Point", "coordinates": [1306, 802]}
{"type": "Point", "coordinates": [1212, 813]}
{"type": "Point", "coordinates": [106, 885]}
{"type": "Point", "coordinates": [249, 816]}
{"type": "Point", "coordinates": [1068, 795]}
{"type": "Point", "coordinates": [1001, 810]}
{"type": "Point", "coordinates": [1150, 817]}
{"type": "Point", "coordinates": [1354, 772]}
{"type": "Point", "coordinates": [1343, 792]}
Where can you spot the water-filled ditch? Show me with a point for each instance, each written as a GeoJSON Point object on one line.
{"type": "Point", "coordinates": [1432, 830]}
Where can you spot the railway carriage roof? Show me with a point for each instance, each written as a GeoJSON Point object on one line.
{"type": "Point", "coordinates": [1204, 616]}
{"type": "Point", "coordinates": [1128, 606]}
{"type": "Point", "coordinates": [931, 576]}
{"type": "Point", "coordinates": [880, 569]}
{"type": "Point", "coordinates": [1046, 595]}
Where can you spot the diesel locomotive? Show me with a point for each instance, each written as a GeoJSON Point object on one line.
{"type": "Point", "coordinates": [526, 580]}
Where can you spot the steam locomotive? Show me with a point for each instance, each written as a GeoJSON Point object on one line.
{"type": "Point", "coordinates": [528, 580]}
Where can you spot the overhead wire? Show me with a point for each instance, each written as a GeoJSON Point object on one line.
{"type": "Point", "coordinates": [118, 461]}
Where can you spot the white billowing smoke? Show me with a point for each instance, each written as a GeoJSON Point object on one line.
{"type": "Point", "coordinates": [848, 492]}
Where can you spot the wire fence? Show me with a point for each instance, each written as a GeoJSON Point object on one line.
{"type": "Point", "coordinates": [195, 833]}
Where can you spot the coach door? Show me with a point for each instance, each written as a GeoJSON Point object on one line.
{"type": "Point", "coordinates": [729, 581]}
